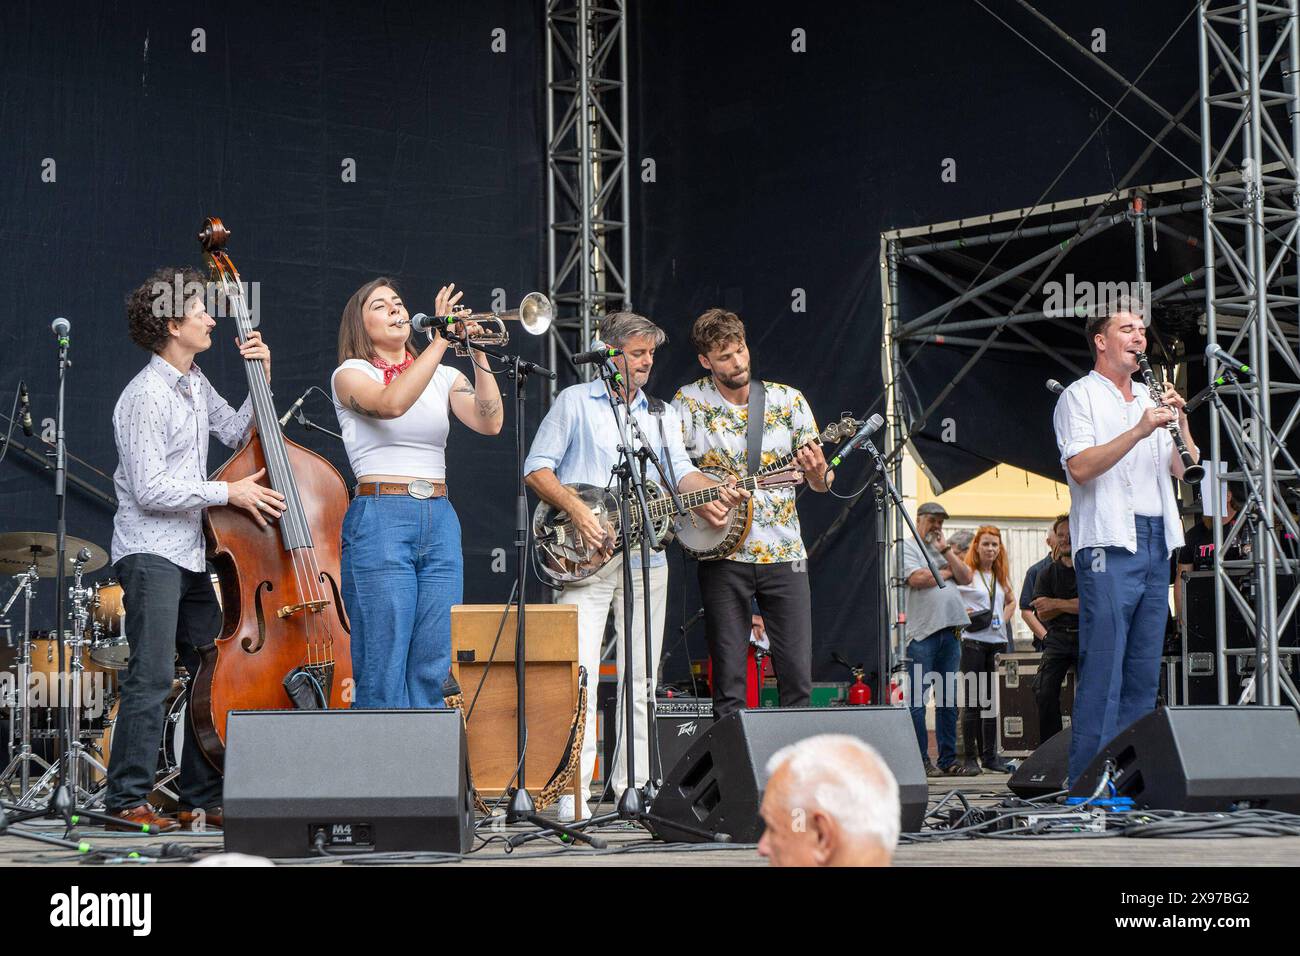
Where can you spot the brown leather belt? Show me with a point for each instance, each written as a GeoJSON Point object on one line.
{"type": "Point", "coordinates": [419, 488]}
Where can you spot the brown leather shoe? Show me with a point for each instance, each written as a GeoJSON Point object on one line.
{"type": "Point", "coordinates": [141, 819]}
{"type": "Point", "coordinates": [200, 820]}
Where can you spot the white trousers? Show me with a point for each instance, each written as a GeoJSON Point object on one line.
{"type": "Point", "coordinates": [595, 598]}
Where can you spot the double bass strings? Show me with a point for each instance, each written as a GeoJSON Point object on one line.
{"type": "Point", "coordinates": [296, 533]}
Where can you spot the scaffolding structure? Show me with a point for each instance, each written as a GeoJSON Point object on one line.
{"type": "Point", "coordinates": [1251, 241]}
{"type": "Point", "coordinates": [588, 252]}
{"type": "Point", "coordinates": [1246, 194]}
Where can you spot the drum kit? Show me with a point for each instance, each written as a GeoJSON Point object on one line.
{"type": "Point", "coordinates": [33, 687]}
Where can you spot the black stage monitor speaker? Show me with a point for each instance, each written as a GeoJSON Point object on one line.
{"type": "Point", "coordinates": [1200, 759]}
{"type": "Point", "coordinates": [349, 781]}
{"type": "Point", "coordinates": [718, 784]}
{"type": "Point", "coordinates": [1044, 771]}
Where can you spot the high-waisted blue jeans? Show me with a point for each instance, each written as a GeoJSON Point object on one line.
{"type": "Point", "coordinates": [402, 572]}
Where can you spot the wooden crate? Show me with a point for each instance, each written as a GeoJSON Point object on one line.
{"type": "Point", "coordinates": [551, 675]}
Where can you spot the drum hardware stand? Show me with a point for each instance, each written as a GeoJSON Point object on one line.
{"type": "Point", "coordinates": [20, 765]}
{"type": "Point", "coordinates": [635, 806]}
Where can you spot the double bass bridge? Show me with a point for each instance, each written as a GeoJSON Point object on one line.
{"type": "Point", "coordinates": [290, 609]}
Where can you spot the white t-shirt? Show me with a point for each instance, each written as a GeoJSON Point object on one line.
{"type": "Point", "coordinates": [976, 595]}
{"type": "Point", "coordinates": [413, 444]}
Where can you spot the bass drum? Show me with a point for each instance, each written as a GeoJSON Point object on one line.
{"type": "Point", "coordinates": [166, 793]}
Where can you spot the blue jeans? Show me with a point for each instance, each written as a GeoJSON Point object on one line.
{"type": "Point", "coordinates": [1123, 607]}
{"type": "Point", "coordinates": [402, 572]}
{"type": "Point", "coordinates": [934, 662]}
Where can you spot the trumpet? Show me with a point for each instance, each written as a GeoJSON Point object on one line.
{"type": "Point", "coordinates": [535, 314]}
{"type": "Point", "coordinates": [1192, 472]}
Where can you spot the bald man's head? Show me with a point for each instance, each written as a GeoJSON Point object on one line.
{"type": "Point", "coordinates": [830, 801]}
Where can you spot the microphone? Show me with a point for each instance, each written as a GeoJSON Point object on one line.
{"type": "Point", "coordinates": [596, 355]}
{"type": "Point", "coordinates": [61, 327]}
{"type": "Point", "coordinates": [423, 323]}
{"type": "Point", "coordinates": [25, 418]}
{"type": "Point", "coordinates": [1212, 351]}
{"type": "Point", "coordinates": [1055, 387]}
{"type": "Point", "coordinates": [284, 419]}
{"type": "Point", "coordinates": [869, 427]}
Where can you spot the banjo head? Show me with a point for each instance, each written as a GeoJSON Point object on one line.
{"type": "Point", "coordinates": [702, 540]}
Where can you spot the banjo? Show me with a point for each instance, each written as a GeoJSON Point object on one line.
{"type": "Point", "coordinates": [704, 542]}
{"type": "Point", "coordinates": [567, 558]}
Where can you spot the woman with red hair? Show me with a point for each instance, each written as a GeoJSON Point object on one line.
{"type": "Point", "coordinates": [990, 602]}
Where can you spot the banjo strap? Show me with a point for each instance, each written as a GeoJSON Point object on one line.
{"type": "Point", "coordinates": [754, 427]}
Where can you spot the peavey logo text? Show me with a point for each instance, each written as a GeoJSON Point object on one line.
{"type": "Point", "coordinates": [688, 730]}
{"type": "Point", "coordinates": [75, 909]}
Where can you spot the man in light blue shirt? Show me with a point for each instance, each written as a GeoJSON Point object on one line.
{"type": "Point", "coordinates": [578, 442]}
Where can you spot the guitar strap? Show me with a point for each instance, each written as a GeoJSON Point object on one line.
{"type": "Point", "coordinates": [754, 427]}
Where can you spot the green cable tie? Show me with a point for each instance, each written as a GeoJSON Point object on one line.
{"type": "Point", "coordinates": [83, 847]}
{"type": "Point", "coordinates": [133, 855]}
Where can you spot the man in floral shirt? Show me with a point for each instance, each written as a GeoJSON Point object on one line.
{"type": "Point", "coordinates": [770, 566]}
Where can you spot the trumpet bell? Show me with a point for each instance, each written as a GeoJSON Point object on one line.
{"type": "Point", "coordinates": [536, 313]}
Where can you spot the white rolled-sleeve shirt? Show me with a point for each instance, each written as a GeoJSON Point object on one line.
{"type": "Point", "coordinates": [1091, 412]}
{"type": "Point", "coordinates": [161, 424]}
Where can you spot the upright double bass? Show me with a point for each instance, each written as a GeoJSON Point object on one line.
{"type": "Point", "coordinates": [284, 640]}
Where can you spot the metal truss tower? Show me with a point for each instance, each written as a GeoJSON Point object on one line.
{"type": "Point", "coordinates": [1249, 123]}
{"type": "Point", "coordinates": [587, 202]}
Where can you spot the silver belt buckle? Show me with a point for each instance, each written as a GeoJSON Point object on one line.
{"type": "Point", "coordinates": [420, 488]}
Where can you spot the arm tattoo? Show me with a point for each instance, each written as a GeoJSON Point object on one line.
{"type": "Point", "coordinates": [356, 407]}
{"type": "Point", "coordinates": [489, 409]}
{"type": "Point", "coordinates": [465, 388]}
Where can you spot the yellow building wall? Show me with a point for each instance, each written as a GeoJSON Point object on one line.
{"type": "Point", "coordinates": [1001, 492]}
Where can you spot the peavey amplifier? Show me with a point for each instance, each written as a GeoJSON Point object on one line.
{"type": "Point", "coordinates": [681, 721]}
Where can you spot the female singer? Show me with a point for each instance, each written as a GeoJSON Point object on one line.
{"type": "Point", "coordinates": [402, 564]}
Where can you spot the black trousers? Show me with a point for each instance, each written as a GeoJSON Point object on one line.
{"type": "Point", "coordinates": [785, 601]}
{"type": "Point", "coordinates": [1060, 653]}
{"type": "Point", "coordinates": [168, 610]}
{"type": "Point", "coordinates": [979, 734]}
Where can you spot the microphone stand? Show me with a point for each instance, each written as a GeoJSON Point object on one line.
{"type": "Point", "coordinates": [522, 809]}
{"type": "Point", "coordinates": [63, 800]}
{"type": "Point", "coordinates": [635, 805]}
{"type": "Point", "coordinates": [884, 488]}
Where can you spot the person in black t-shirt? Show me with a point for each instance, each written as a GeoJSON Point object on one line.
{"type": "Point", "coordinates": [1056, 602]}
{"type": "Point", "coordinates": [1197, 552]}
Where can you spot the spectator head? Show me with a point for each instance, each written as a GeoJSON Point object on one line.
{"type": "Point", "coordinates": [1064, 547]}
{"type": "Point", "coordinates": [830, 801]}
{"type": "Point", "coordinates": [1053, 533]}
{"type": "Point", "coordinates": [961, 540]}
{"type": "Point", "coordinates": [930, 517]}
{"type": "Point", "coordinates": [987, 550]}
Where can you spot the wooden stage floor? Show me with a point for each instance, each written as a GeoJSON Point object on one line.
{"type": "Point", "coordinates": [630, 846]}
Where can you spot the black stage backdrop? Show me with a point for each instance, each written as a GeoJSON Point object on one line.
{"type": "Point", "coordinates": [149, 137]}
{"type": "Point", "coordinates": [773, 174]}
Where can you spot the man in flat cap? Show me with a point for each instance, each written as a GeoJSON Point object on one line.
{"type": "Point", "coordinates": [934, 615]}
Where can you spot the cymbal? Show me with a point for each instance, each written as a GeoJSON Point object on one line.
{"type": "Point", "coordinates": [19, 549]}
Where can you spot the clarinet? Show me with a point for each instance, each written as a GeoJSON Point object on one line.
{"type": "Point", "coordinates": [1192, 472]}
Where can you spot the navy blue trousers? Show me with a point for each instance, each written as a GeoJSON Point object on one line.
{"type": "Point", "coordinates": [1123, 608]}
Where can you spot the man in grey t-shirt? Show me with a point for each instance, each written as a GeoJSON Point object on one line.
{"type": "Point", "coordinates": [933, 616]}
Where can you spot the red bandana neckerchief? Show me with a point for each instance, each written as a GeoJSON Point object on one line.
{"type": "Point", "coordinates": [392, 371]}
